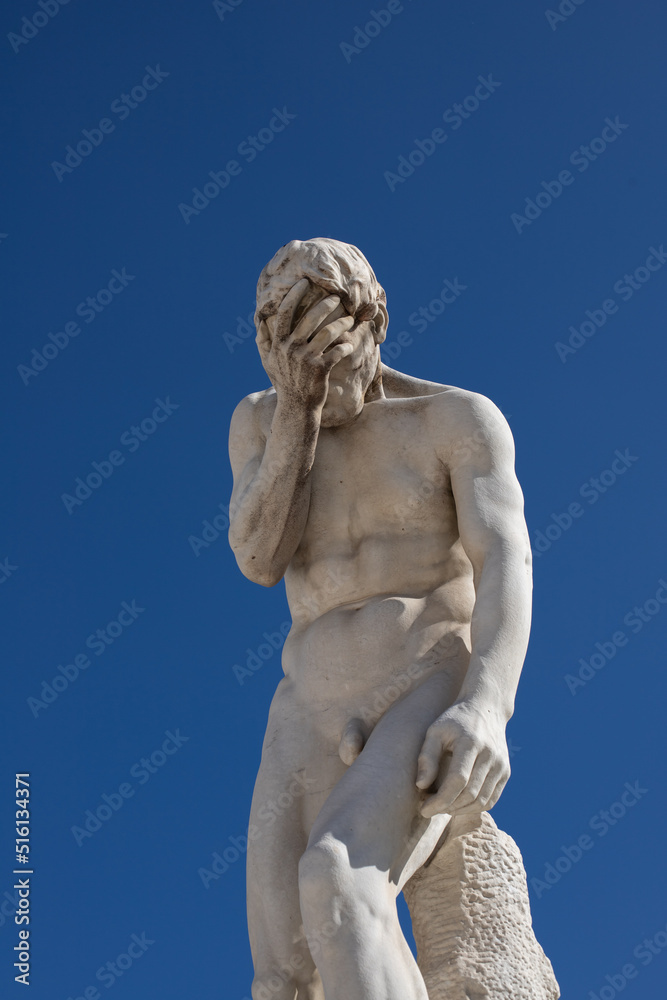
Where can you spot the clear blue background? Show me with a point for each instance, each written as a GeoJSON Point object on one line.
{"type": "Point", "coordinates": [164, 337]}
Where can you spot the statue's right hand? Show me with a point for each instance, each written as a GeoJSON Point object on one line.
{"type": "Point", "coordinates": [298, 358]}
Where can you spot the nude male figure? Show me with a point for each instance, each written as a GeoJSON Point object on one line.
{"type": "Point", "coordinates": [391, 508]}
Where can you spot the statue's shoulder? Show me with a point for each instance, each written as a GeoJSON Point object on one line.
{"type": "Point", "coordinates": [252, 416]}
{"type": "Point", "coordinates": [398, 385]}
{"type": "Point", "coordinates": [464, 411]}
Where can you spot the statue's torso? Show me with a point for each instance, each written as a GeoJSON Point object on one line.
{"type": "Point", "coordinates": [380, 588]}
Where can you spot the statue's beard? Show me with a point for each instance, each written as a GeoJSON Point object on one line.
{"type": "Point", "coordinates": [346, 397]}
{"type": "Point", "coordinates": [341, 407]}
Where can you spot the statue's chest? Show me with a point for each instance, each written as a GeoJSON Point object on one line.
{"type": "Point", "coordinates": [373, 481]}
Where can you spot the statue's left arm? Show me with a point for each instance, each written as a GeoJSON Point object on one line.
{"type": "Point", "coordinates": [492, 529]}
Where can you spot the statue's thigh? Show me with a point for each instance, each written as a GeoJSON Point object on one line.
{"type": "Point", "coordinates": [374, 808]}
{"type": "Point", "coordinates": [294, 780]}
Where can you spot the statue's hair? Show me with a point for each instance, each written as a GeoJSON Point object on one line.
{"type": "Point", "coordinates": [339, 268]}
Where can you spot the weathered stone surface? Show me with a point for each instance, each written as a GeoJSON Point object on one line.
{"type": "Point", "coordinates": [471, 919]}
{"type": "Point", "coordinates": [391, 507]}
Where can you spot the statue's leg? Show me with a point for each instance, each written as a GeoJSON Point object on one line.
{"type": "Point", "coordinates": [283, 965]}
{"type": "Point", "coordinates": [368, 838]}
{"type": "Point", "coordinates": [293, 781]}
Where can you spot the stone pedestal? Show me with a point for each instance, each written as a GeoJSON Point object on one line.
{"type": "Point", "coordinates": [471, 919]}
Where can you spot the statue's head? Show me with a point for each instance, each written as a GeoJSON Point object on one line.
{"type": "Point", "coordinates": [332, 268]}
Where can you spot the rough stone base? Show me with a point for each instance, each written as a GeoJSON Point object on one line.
{"type": "Point", "coordinates": [471, 919]}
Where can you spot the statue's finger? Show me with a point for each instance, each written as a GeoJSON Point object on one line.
{"type": "Point", "coordinates": [316, 317]}
{"type": "Point", "coordinates": [326, 335]}
{"type": "Point", "coordinates": [487, 790]}
{"type": "Point", "coordinates": [336, 354]}
{"type": "Point", "coordinates": [263, 338]}
{"type": "Point", "coordinates": [458, 773]}
{"type": "Point", "coordinates": [484, 776]}
{"type": "Point", "coordinates": [430, 755]}
{"type": "Point", "coordinates": [287, 308]}
{"type": "Point", "coordinates": [496, 793]}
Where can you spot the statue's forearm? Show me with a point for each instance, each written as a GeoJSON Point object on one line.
{"type": "Point", "coordinates": [499, 632]}
{"type": "Point", "coordinates": [269, 516]}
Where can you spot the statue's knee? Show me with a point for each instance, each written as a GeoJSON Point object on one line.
{"type": "Point", "coordinates": [333, 889]}
{"type": "Point", "coordinates": [323, 873]}
{"type": "Point", "coordinates": [272, 988]}
{"type": "Point", "coordinates": [282, 983]}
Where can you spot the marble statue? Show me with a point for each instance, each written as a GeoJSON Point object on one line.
{"type": "Point", "coordinates": [390, 507]}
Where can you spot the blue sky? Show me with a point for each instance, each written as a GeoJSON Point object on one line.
{"type": "Point", "coordinates": [135, 269]}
